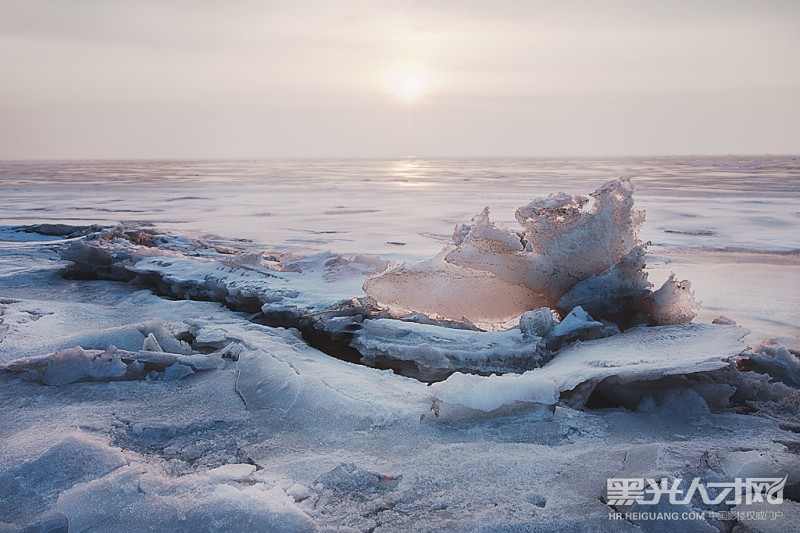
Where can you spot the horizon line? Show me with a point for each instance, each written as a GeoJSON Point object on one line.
{"type": "Point", "coordinates": [394, 157]}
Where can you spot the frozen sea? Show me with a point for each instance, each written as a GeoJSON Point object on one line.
{"type": "Point", "coordinates": [193, 369]}
{"type": "Point", "coordinates": [729, 224]}
{"type": "Point", "coordinates": [407, 207]}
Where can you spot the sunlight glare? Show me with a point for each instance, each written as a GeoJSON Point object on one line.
{"type": "Point", "coordinates": [409, 82]}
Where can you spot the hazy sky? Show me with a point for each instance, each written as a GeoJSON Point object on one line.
{"type": "Point", "coordinates": [247, 78]}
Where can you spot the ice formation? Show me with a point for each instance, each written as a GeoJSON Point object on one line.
{"type": "Point", "coordinates": [639, 354]}
{"type": "Point", "coordinates": [72, 365]}
{"type": "Point", "coordinates": [571, 251]}
{"type": "Point", "coordinates": [269, 433]}
{"type": "Point", "coordinates": [498, 384]}
{"type": "Point", "coordinates": [465, 395]}
{"type": "Point", "coordinates": [579, 257]}
{"type": "Point", "coordinates": [618, 294]}
{"type": "Point", "coordinates": [246, 281]}
{"type": "Point", "coordinates": [431, 352]}
{"type": "Point", "coordinates": [780, 362]}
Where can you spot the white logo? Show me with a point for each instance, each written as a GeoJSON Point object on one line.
{"type": "Point", "coordinates": [626, 491]}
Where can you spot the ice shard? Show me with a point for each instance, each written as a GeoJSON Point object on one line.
{"type": "Point", "coordinates": [572, 250]}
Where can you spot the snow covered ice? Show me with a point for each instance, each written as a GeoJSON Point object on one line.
{"type": "Point", "coordinates": [153, 380]}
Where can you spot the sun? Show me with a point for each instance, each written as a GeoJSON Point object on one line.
{"type": "Point", "coordinates": [409, 82]}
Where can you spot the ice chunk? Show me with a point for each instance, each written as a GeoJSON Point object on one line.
{"type": "Point", "coordinates": [639, 354]}
{"type": "Point", "coordinates": [150, 344]}
{"type": "Point", "coordinates": [431, 352]}
{"type": "Point", "coordinates": [74, 365]}
{"type": "Point", "coordinates": [546, 220]}
{"type": "Point", "coordinates": [176, 372]}
{"type": "Point", "coordinates": [299, 492]}
{"type": "Point", "coordinates": [465, 394]}
{"type": "Point", "coordinates": [299, 291]}
{"type": "Point", "coordinates": [537, 323]}
{"type": "Point", "coordinates": [68, 366]}
{"type": "Point", "coordinates": [576, 240]}
{"type": "Point", "coordinates": [196, 270]}
{"type": "Point", "coordinates": [673, 303]}
{"type": "Point", "coordinates": [231, 472]}
{"type": "Point", "coordinates": [579, 325]}
{"type": "Point", "coordinates": [128, 337]}
{"type": "Point", "coordinates": [572, 252]}
{"type": "Point", "coordinates": [164, 335]}
{"type": "Point", "coordinates": [491, 274]}
{"type": "Point", "coordinates": [439, 288]}
{"type": "Point", "coordinates": [778, 361]}
{"type": "Point", "coordinates": [61, 230]}
{"type": "Point", "coordinates": [617, 294]}
{"type": "Point", "coordinates": [622, 294]}
{"type": "Point", "coordinates": [645, 353]}
{"type": "Point", "coordinates": [349, 477]}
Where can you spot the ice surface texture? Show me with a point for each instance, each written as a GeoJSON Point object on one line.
{"type": "Point", "coordinates": [72, 365]}
{"type": "Point", "coordinates": [194, 412]}
{"type": "Point", "coordinates": [268, 433]}
{"type": "Point", "coordinates": [433, 351]}
{"type": "Point", "coordinates": [639, 354]}
{"type": "Point", "coordinates": [491, 274]}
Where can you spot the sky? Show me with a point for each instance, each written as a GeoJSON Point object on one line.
{"type": "Point", "coordinates": [138, 79]}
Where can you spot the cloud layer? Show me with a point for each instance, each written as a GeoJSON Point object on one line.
{"type": "Point", "coordinates": [94, 79]}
